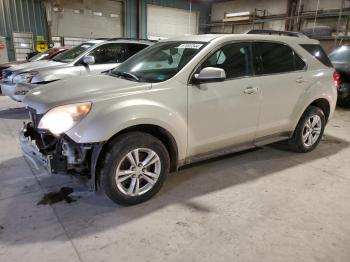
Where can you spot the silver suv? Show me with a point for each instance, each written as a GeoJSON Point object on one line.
{"type": "Point", "coordinates": [177, 102]}
{"type": "Point", "coordinates": [92, 57]}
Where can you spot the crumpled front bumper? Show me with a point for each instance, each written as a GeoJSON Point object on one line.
{"type": "Point", "coordinates": [31, 152]}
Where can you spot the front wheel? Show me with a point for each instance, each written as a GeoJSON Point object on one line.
{"type": "Point", "coordinates": [134, 168]}
{"type": "Point", "coordinates": [309, 130]}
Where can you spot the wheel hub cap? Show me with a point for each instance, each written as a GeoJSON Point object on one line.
{"type": "Point", "coordinates": [138, 171]}
{"type": "Point", "coordinates": [312, 130]}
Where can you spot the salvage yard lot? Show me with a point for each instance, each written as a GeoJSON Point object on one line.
{"type": "Point", "coordinates": [262, 205]}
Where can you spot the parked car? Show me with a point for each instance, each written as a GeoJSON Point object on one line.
{"type": "Point", "coordinates": [47, 55]}
{"type": "Point", "coordinates": [178, 102]}
{"type": "Point", "coordinates": [340, 59]}
{"type": "Point", "coordinates": [92, 57]}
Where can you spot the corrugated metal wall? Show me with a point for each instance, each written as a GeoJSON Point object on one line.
{"type": "Point", "coordinates": [21, 16]}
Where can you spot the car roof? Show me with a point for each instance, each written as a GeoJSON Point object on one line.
{"type": "Point", "coordinates": [237, 37]}
{"type": "Point", "coordinates": [121, 40]}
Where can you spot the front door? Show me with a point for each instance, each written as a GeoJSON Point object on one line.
{"type": "Point", "coordinates": [224, 114]}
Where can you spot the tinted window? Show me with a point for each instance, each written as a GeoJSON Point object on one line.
{"type": "Point", "coordinates": [234, 58]}
{"type": "Point", "coordinates": [317, 52]}
{"type": "Point", "coordinates": [159, 62]}
{"type": "Point", "coordinates": [115, 52]}
{"type": "Point", "coordinates": [272, 58]}
{"type": "Point", "coordinates": [70, 55]}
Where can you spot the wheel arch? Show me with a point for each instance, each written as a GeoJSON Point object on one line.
{"type": "Point", "coordinates": [323, 104]}
{"type": "Point", "coordinates": [155, 130]}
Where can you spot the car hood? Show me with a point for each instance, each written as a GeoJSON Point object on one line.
{"type": "Point", "coordinates": [35, 65]}
{"type": "Point", "coordinates": [80, 89]}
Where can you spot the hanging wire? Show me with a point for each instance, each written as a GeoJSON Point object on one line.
{"type": "Point", "coordinates": [318, 4]}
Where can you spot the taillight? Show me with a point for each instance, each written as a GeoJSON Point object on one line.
{"type": "Point", "coordinates": [336, 78]}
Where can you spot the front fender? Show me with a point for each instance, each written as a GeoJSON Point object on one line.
{"type": "Point", "coordinates": [103, 123]}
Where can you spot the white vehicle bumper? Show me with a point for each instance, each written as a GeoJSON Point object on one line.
{"type": "Point", "coordinates": [16, 91]}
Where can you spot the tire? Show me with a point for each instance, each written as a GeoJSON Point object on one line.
{"type": "Point", "coordinates": [297, 142]}
{"type": "Point", "coordinates": [128, 183]}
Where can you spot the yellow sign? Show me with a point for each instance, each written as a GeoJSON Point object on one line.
{"type": "Point", "coordinates": [41, 45]}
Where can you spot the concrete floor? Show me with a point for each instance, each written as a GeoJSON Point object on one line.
{"type": "Point", "coordinates": [262, 205]}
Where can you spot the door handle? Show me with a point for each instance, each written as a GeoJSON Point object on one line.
{"type": "Point", "coordinates": [300, 80]}
{"type": "Point", "coordinates": [250, 90]}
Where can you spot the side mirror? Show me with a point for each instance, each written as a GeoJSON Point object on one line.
{"type": "Point", "coordinates": [89, 60]}
{"type": "Point", "coordinates": [210, 74]}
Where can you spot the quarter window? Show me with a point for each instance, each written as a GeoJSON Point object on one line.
{"type": "Point", "coordinates": [317, 52]}
{"type": "Point", "coordinates": [234, 58]}
{"type": "Point", "coordinates": [272, 58]}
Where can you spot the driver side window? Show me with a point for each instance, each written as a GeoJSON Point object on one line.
{"type": "Point", "coordinates": [234, 58]}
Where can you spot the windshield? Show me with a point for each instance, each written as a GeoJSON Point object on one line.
{"type": "Point", "coordinates": [40, 56]}
{"type": "Point", "coordinates": [340, 55]}
{"type": "Point", "coordinates": [70, 55]}
{"type": "Point", "coordinates": [159, 62]}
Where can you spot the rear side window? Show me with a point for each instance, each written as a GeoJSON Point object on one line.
{"type": "Point", "coordinates": [317, 52]}
{"type": "Point", "coordinates": [273, 58]}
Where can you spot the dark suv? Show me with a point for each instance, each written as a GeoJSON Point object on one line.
{"type": "Point", "coordinates": [340, 59]}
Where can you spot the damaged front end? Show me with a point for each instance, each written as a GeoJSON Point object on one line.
{"type": "Point", "coordinates": [58, 154]}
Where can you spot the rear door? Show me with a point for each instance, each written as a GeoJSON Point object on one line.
{"type": "Point", "coordinates": [108, 56]}
{"type": "Point", "coordinates": [283, 79]}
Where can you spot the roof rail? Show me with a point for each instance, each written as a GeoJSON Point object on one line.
{"type": "Point", "coordinates": [275, 32]}
{"type": "Point", "coordinates": [129, 38]}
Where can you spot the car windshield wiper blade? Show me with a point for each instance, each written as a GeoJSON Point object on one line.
{"type": "Point", "coordinates": [126, 74]}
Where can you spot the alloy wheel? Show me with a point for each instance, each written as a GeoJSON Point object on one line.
{"type": "Point", "coordinates": [312, 130]}
{"type": "Point", "coordinates": [138, 172]}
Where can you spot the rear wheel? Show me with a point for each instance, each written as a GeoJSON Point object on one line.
{"type": "Point", "coordinates": [134, 168]}
{"type": "Point", "coordinates": [309, 130]}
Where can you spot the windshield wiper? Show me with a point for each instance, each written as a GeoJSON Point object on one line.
{"type": "Point", "coordinates": [126, 74]}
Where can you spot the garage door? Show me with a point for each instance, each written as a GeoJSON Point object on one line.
{"type": "Point", "coordinates": [168, 22]}
{"type": "Point", "coordinates": [86, 19]}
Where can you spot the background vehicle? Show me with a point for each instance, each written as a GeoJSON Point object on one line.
{"type": "Point", "coordinates": [92, 57]}
{"type": "Point", "coordinates": [178, 102]}
{"type": "Point", "coordinates": [47, 55]}
{"type": "Point", "coordinates": [340, 59]}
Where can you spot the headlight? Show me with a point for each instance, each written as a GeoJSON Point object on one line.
{"type": "Point", "coordinates": [24, 77]}
{"type": "Point", "coordinates": [62, 118]}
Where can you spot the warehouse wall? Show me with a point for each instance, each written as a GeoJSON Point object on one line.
{"type": "Point", "coordinates": [273, 7]}
{"type": "Point", "coordinates": [276, 7]}
{"type": "Point", "coordinates": [138, 27]}
{"type": "Point", "coordinates": [21, 16]}
{"type": "Point", "coordinates": [85, 18]}
{"type": "Point", "coordinates": [310, 5]}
